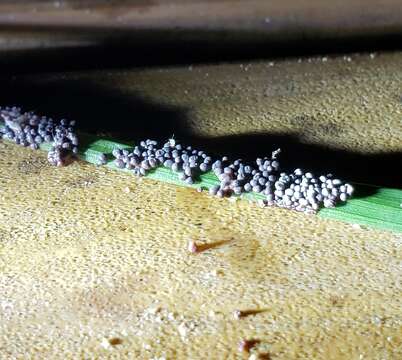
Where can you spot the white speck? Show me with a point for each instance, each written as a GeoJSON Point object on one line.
{"type": "Point", "coordinates": [237, 314]}
{"type": "Point", "coordinates": [214, 272]}
{"type": "Point", "coordinates": [182, 329]}
{"type": "Point", "coordinates": [356, 226]}
{"type": "Point", "coordinates": [252, 357]}
{"type": "Point", "coordinates": [190, 68]}
{"type": "Point", "coordinates": [192, 246]}
{"type": "Point", "coordinates": [276, 153]}
{"type": "Point", "coordinates": [267, 20]}
{"type": "Point", "coordinates": [271, 63]}
{"type": "Point", "coordinates": [154, 310]}
{"type": "Point", "coordinates": [172, 141]}
{"type": "Point", "coordinates": [324, 59]}
{"type": "Point", "coordinates": [376, 320]}
{"type": "Point", "coordinates": [126, 189]}
{"type": "Point", "coordinates": [105, 343]}
{"type": "Point", "coordinates": [372, 55]}
{"type": "Point", "coordinates": [6, 305]}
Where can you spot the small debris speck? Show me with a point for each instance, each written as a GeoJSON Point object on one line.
{"type": "Point", "coordinates": [247, 345]}
{"type": "Point", "coordinates": [237, 314]}
{"type": "Point", "coordinates": [105, 343]}
{"type": "Point", "coordinates": [115, 341]}
{"type": "Point", "coordinates": [192, 246]}
{"type": "Point", "coordinates": [154, 310]}
{"type": "Point", "coordinates": [182, 329]}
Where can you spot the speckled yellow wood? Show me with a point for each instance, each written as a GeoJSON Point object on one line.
{"type": "Point", "coordinates": [94, 262]}
{"type": "Point", "coordinates": [88, 255]}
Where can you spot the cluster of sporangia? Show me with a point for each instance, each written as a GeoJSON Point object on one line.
{"type": "Point", "coordinates": [189, 163]}
{"type": "Point", "coordinates": [29, 129]}
{"type": "Point", "coordinates": [298, 190]}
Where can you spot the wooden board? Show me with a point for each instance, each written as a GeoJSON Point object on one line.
{"type": "Point", "coordinates": [94, 262]}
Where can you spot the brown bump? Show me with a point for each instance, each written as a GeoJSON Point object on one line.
{"type": "Point", "coordinates": [115, 341]}
{"type": "Point", "coordinates": [265, 356]}
{"type": "Point", "coordinates": [246, 345]}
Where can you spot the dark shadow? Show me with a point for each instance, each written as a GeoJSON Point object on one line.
{"type": "Point", "coordinates": [130, 117]}
{"type": "Point", "coordinates": [98, 110]}
{"type": "Point", "coordinates": [101, 48]}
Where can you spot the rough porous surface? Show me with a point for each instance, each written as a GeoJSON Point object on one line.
{"type": "Point", "coordinates": [94, 263]}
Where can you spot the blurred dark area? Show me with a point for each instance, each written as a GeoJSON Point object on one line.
{"type": "Point", "coordinates": [200, 49]}
{"type": "Point", "coordinates": [72, 35]}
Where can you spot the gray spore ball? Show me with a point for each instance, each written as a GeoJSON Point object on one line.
{"type": "Point", "coordinates": [149, 154]}
{"type": "Point", "coordinates": [27, 129]}
{"type": "Point", "coordinates": [102, 159]}
{"type": "Point", "coordinates": [297, 190]}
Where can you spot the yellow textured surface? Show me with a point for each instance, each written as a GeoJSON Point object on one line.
{"type": "Point", "coordinates": [321, 100]}
{"type": "Point", "coordinates": [89, 256]}
{"type": "Point", "coordinates": [324, 100]}
{"type": "Point", "coordinates": [94, 263]}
